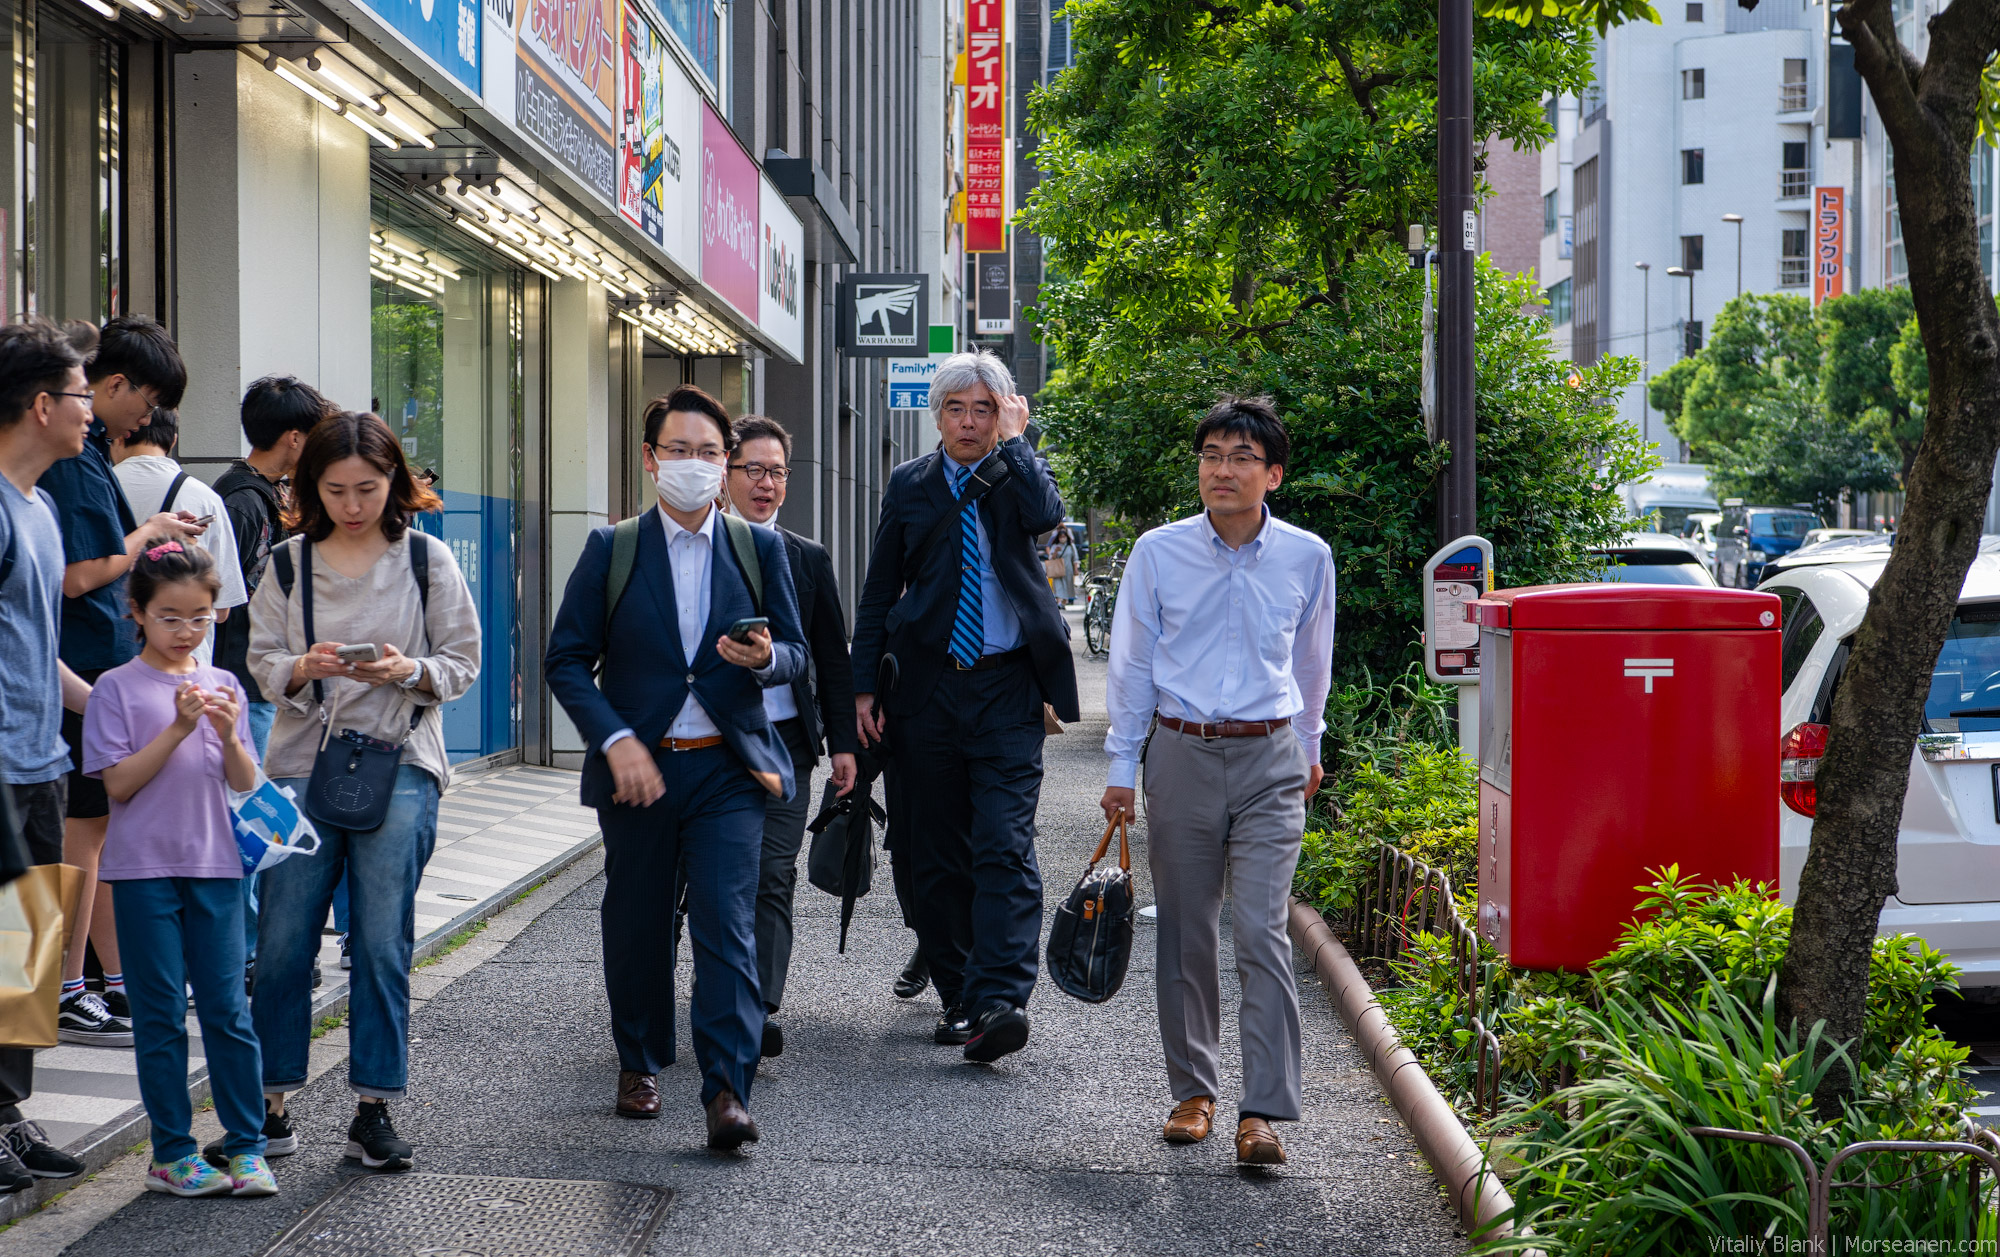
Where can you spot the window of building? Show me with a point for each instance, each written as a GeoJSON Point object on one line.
{"type": "Point", "coordinates": [1792, 91]}
{"type": "Point", "coordinates": [1896, 264]}
{"type": "Point", "coordinates": [1691, 165]}
{"type": "Point", "coordinates": [1060, 57]}
{"type": "Point", "coordinates": [1794, 262]}
{"type": "Point", "coordinates": [1691, 253]}
{"type": "Point", "coordinates": [1982, 204]}
{"type": "Point", "coordinates": [1694, 13]}
{"type": "Point", "coordinates": [1795, 178]}
{"type": "Point", "coordinates": [1691, 334]}
{"type": "Point", "coordinates": [1551, 110]}
{"type": "Point", "coordinates": [1694, 84]}
{"type": "Point", "coordinates": [1548, 213]}
{"type": "Point", "coordinates": [1584, 348]}
{"type": "Point", "coordinates": [1558, 296]}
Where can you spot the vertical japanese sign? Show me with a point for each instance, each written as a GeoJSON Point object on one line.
{"type": "Point", "coordinates": [1829, 242]}
{"type": "Point", "coordinates": [566, 85]}
{"type": "Point", "coordinates": [995, 296]}
{"type": "Point", "coordinates": [731, 197]}
{"type": "Point", "coordinates": [447, 33]}
{"type": "Point", "coordinates": [642, 140]}
{"type": "Point", "coordinates": [985, 126]}
{"type": "Point", "coordinates": [778, 312]}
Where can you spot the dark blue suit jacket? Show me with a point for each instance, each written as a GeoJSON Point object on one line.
{"type": "Point", "coordinates": [646, 677]}
{"type": "Point", "coordinates": [908, 612]}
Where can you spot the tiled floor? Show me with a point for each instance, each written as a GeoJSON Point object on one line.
{"type": "Point", "coordinates": [493, 830]}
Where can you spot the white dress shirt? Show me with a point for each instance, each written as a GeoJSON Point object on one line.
{"type": "Point", "coordinates": [145, 479]}
{"type": "Point", "coordinates": [1205, 633]}
{"type": "Point", "coordinates": [692, 557]}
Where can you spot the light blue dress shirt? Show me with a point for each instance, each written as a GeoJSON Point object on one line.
{"type": "Point", "coordinates": [1003, 627]}
{"type": "Point", "coordinates": [1205, 633]}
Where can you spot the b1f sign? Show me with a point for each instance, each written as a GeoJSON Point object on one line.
{"type": "Point", "coordinates": [910, 382]}
{"type": "Point", "coordinates": [1829, 243]}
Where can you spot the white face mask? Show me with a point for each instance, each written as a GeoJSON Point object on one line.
{"type": "Point", "coordinates": [688, 484]}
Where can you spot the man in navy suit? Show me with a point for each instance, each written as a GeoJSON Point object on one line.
{"type": "Point", "coordinates": [956, 597]}
{"type": "Point", "coordinates": [682, 758]}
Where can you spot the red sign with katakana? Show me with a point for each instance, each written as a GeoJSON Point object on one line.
{"type": "Point", "coordinates": [985, 126]}
{"type": "Point", "coordinates": [1829, 243]}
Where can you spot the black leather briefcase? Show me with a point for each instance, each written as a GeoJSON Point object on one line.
{"type": "Point", "coordinates": [1090, 944]}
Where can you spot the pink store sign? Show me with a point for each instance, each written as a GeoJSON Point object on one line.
{"type": "Point", "coordinates": [729, 202]}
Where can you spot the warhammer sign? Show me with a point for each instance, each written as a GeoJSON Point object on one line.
{"type": "Point", "coordinates": [885, 316]}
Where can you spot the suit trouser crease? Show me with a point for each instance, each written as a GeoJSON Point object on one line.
{"type": "Point", "coordinates": [382, 867]}
{"type": "Point", "coordinates": [973, 756]}
{"type": "Point", "coordinates": [1236, 804]}
{"type": "Point", "coordinates": [179, 932]}
{"type": "Point", "coordinates": [778, 871]}
{"type": "Point", "coordinates": [709, 823]}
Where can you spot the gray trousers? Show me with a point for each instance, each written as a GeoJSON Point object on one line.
{"type": "Point", "coordinates": [778, 870]}
{"type": "Point", "coordinates": [1236, 804]}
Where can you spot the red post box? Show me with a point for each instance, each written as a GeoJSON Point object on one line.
{"type": "Point", "coordinates": [1622, 728]}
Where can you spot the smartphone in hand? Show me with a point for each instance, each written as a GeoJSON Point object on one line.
{"type": "Point", "coordinates": [366, 652]}
{"type": "Point", "coordinates": [741, 630]}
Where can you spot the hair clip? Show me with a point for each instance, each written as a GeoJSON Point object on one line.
{"type": "Point", "coordinates": [171, 547]}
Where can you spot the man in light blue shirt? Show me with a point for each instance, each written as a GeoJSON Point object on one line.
{"type": "Point", "coordinates": [1224, 635]}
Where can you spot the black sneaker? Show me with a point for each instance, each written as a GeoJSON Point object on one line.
{"type": "Point", "coordinates": [317, 979]}
{"type": "Point", "coordinates": [14, 1176]}
{"type": "Point", "coordinates": [29, 1144]}
{"type": "Point", "coordinates": [280, 1140]}
{"type": "Point", "coordinates": [347, 951]}
{"type": "Point", "coordinates": [83, 1018]}
{"type": "Point", "coordinates": [117, 1005]}
{"type": "Point", "coordinates": [372, 1141]}
{"type": "Point", "coordinates": [774, 1039]}
{"type": "Point", "coordinates": [1001, 1029]}
{"type": "Point", "coordinates": [953, 1027]}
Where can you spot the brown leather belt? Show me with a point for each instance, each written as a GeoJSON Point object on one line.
{"type": "Point", "coordinates": [1226, 728]}
{"type": "Point", "coordinates": [691, 744]}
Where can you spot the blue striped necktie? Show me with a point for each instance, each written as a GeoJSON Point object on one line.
{"type": "Point", "coordinates": [968, 631]}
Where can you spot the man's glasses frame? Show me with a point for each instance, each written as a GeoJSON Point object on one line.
{"type": "Point", "coordinates": [757, 472]}
{"type": "Point", "coordinates": [1209, 460]}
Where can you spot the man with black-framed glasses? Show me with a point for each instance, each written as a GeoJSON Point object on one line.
{"type": "Point", "coordinates": [813, 709]}
{"type": "Point", "coordinates": [1222, 651]}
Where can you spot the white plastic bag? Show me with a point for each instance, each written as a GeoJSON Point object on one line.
{"type": "Point", "coordinates": [269, 826]}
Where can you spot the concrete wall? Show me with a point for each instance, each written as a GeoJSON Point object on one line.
{"type": "Point", "coordinates": [272, 246]}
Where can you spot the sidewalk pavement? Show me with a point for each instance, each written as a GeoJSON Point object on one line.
{"type": "Point", "coordinates": [499, 832]}
{"type": "Point", "coordinates": [874, 1140]}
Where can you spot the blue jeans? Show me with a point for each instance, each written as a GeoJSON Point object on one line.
{"type": "Point", "coordinates": [189, 930]}
{"type": "Point", "coordinates": [382, 867]}
{"type": "Point", "coordinates": [261, 717]}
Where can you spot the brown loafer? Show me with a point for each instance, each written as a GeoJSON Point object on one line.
{"type": "Point", "coordinates": [729, 1124]}
{"type": "Point", "coordinates": [1190, 1120]}
{"type": "Point", "coordinates": [1257, 1143]}
{"type": "Point", "coordinates": [638, 1095]}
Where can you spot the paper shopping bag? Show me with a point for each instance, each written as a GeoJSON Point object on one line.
{"type": "Point", "coordinates": [36, 910]}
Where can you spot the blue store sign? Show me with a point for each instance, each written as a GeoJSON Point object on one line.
{"type": "Point", "coordinates": [446, 31]}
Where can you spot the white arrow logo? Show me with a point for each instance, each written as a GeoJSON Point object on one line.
{"type": "Point", "coordinates": [1649, 668]}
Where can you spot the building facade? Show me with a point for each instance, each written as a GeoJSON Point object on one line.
{"type": "Point", "coordinates": [503, 226]}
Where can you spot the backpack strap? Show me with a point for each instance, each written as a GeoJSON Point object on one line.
{"type": "Point", "coordinates": [281, 561]}
{"type": "Point", "coordinates": [624, 556]}
{"type": "Point", "coordinates": [420, 567]}
{"type": "Point", "coordinates": [7, 555]}
{"type": "Point", "coordinates": [744, 543]}
{"type": "Point", "coordinates": [173, 492]}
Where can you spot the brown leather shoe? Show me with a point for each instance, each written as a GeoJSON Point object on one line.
{"type": "Point", "coordinates": [1190, 1120]}
{"type": "Point", "coordinates": [638, 1095]}
{"type": "Point", "coordinates": [1257, 1143]}
{"type": "Point", "coordinates": [729, 1123]}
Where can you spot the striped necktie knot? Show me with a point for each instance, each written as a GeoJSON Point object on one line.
{"type": "Point", "coordinates": [968, 630]}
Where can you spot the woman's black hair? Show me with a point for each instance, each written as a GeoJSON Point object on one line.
{"type": "Point", "coordinates": [165, 561]}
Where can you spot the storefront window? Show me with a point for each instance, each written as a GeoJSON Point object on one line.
{"type": "Point", "coordinates": [447, 378]}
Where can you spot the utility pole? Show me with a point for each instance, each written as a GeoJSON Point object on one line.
{"type": "Point", "coordinates": [1738, 220]}
{"type": "Point", "coordinates": [1646, 352]}
{"type": "Point", "coordinates": [1458, 242]}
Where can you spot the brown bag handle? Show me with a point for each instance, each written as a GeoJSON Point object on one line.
{"type": "Point", "coordinates": [1118, 823]}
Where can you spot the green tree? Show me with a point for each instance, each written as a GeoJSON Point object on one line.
{"type": "Point", "coordinates": [1734, 368]}
{"type": "Point", "coordinates": [1858, 335]}
{"type": "Point", "coordinates": [1792, 450]}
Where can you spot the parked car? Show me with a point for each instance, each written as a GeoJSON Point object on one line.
{"type": "Point", "coordinates": [1751, 536]}
{"type": "Point", "coordinates": [1667, 496]}
{"type": "Point", "coordinates": [1948, 853]}
{"type": "Point", "coordinates": [1816, 535]}
{"type": "Point", "coordinates": [1699, 531]}
{"type": "Point", "coordinates": [1651, 558]}
{"type": "Point", "coordinates": [1865, 547]}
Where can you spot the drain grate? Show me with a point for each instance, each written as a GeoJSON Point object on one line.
{"type": "Point", "coordinates": [453, 1215]}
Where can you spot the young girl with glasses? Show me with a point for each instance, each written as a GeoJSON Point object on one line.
{"type": "Point", "coordinates": [166, 734]}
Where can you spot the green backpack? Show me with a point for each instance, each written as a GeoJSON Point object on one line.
{"type": "Point", "coordinates": [625, 553]}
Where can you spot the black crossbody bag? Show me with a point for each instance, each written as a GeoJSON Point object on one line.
{"type": "Point", "coordinates": [354, 776]}
{"type": "Point", "coordinates": [888, 671]}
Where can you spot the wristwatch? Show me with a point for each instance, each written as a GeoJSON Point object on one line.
{"type": "Point", "coordinates": [410, 682]}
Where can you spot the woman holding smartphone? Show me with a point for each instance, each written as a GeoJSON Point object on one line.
{"type": "Point", "coordinates": [394, 636]}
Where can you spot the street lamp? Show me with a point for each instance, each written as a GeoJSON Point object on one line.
{"type": "Point", "coordinates": [1687, 333]}
{"type": "Point", "coordinates": [1738, 220]}
{"type": "Point", "coordinates": [1646, 351]}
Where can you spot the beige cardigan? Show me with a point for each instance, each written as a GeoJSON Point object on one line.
{"type": "Point", "coordinates": [382, 606]}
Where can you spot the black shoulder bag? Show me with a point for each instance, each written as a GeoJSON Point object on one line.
{"type": "Point", "coordinates": [888, 671]}
{"type": "Point", "coordinates": [354, 776]}
{"type": "Point", "coordinates": [1090, 943]}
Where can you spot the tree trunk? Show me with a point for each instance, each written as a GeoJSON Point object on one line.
{"type": "Point", "coordinates": [1929, 110]}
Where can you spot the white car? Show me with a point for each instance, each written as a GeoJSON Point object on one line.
{"type": "Point", "coordinates": [1948, 853]}
{"type": "Point", "coordinates": [1654, 558]}
{"type": "Point", "coordinates": [1699, 532]}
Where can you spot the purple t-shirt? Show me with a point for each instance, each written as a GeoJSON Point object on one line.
{"type": "Point", "coordinates": [177, 825]}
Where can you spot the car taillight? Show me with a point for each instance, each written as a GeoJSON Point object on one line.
{"type": "Point", "coordinates": [1798, 765]}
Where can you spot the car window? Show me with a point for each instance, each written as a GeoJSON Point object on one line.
{"type": "Point", "coordinates": [1781, 524]}
{"type": "Point", "coordinates": [1803, 627]}
{"type": "Point", "coordinates": [1967, 675]}
{"type": "Point", "coordinates": [1653, 567]}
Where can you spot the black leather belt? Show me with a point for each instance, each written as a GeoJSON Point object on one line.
{"type": "Point", "coordinates": [992, 661]}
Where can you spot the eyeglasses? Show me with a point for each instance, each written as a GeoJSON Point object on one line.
{"type": "Point", "coordinates": [980, 410]}
{"type": "Point", "coordinates": [707, 453]}
{"type": "Point", "coordinates": [1212, 461]}
{"type": "Point", "coordinates": [174, 623]}
{"type": "Point", "coordinates": [758, 472]}
{"type": "Point", "coordinates": [85, 398]}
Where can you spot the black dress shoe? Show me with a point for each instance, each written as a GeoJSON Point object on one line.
{"type": "Point", "coordinates": [915, 976]}
{"type": "Point", "coordinates": [953, 1027]}
{"type": "Point", "coordinates": [1001, 1029]}
{"type": "Point", "coordinates": [774, 1040]}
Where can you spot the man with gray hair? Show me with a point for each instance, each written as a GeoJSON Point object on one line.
{"type": "Point", "coordinates": [957, 644]}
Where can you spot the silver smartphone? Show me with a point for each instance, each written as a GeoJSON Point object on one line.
{"type": "Point", "coordinates": [366, 652]}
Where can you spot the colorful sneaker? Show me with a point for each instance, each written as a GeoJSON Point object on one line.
{"type": "Point", "coordinates": [189, 1176]}
{"type": "Point", "coordinates": [251, 1176]}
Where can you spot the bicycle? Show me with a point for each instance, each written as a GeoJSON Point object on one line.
{"type": "Point", "coordinates": [1100, 599]}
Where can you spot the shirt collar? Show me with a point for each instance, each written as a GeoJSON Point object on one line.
{"type": "Point", "coordinates": [967, 466]}
{"type": "Point", "coordinates": [675, 532]}
{"type": "Point", "coordinates": [1250, 548]}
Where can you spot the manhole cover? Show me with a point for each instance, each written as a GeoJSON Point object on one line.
{"type": "Point", "coordinates": [453, 1215]}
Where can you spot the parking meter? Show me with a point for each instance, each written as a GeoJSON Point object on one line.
{"type": "Point", "coordinates": [1455, 577]}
